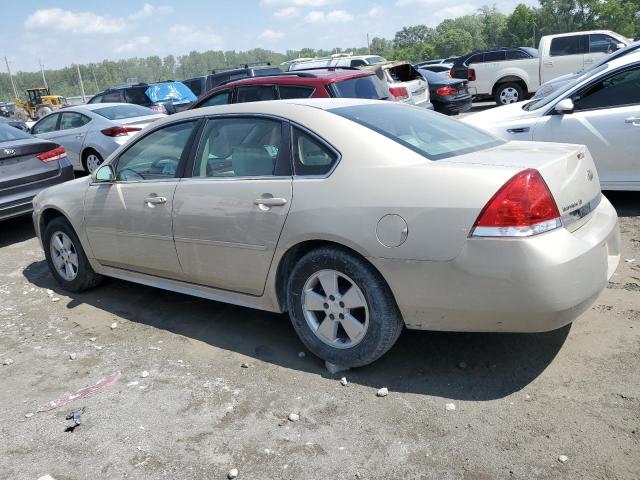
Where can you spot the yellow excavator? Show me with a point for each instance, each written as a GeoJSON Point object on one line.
{"type": "Point", "coordinates": [39, 103]}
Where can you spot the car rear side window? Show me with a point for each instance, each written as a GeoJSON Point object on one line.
{"type": "Point", "coordinates": [239, 147]}
{"type": "Point", "coordinates": [477, 58]}
{"type": "Point", "coordinates": [571, 45]}
{"type": "Point", "coordinates": [292, 91]}
{"type": "Point", "coordinates": [73, 120]}
{"type": "Point", "coordinates": [156, 156]}
{"type": "Point", "coordinates": [311, 156]}
{"type": "Point", "coordinates": [517, 55]}
{"type": "Point", "coordinates": [496, 56]}
{"type": "Point", "coordinates": [96, 99]}
{"type": "Point", "coordinates": [221, 98]}
{"type": "Point", "coordinates": [256, 93]}
{"type": "Point", "coordinates": [431, 135]}
{"type": "Point", "coordinates": [369, 87]}
{"type": "Point", "coordinates": [137, 96]}
{"type": "Point", "coordinates": [113, 97]}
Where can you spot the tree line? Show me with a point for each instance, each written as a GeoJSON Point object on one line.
{"type": "Point", "coordinates": [485, 28]}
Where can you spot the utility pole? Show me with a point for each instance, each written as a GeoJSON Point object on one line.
{"type": "Point", "coordinates": [93, 72]}
{"type": "Point", "coordinates": [368, 44]}
{"type": "Point", "coordinates": [534, 35]}
{"type": "Point", "coordinates": [84, 97]}
{"type": "Point", "coordinates": [44, 79]}
{"type": "Point", "coordinates": [13, 85]}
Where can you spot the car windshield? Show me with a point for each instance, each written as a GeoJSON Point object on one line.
{"type": "Point", "coordinates": [369, 87]}
{"type": "Point", "coordinates": [431, 135]}
{"type": "Point", "coordinates": [373, 60]}
{"type": "Point", "coordinates": [119, 112]}
{"type": "Point", "coordinates": [176, 91]}
{"type": "Point", "coordinates": [9, 133]}
{"type": "Point", "coordinates": [536, 104]}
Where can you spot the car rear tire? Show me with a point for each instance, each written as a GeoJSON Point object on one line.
{"type": "Point", "coordinates": [66, 258]}
{"type": "Point", "coordinates": [508, 93]}
{"type": "Point", "coordinates": [91, 160]}
{"type": "Point", "coordinates": [341, 308]}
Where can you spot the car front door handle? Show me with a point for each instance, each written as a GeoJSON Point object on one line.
{"type": "Point", "coordinates": [79, 136]}
{"type": "Point", "coordinates": [270, 202]}
{"type": "Point", "coordinates": [633, 121]}
{"type": "Point", "coordinates": [153, 200]}
{"type": "Point", "coordinates": [518, 130]}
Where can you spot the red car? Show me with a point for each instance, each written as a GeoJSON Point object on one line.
{"type": "Point", "coordinates": [317, 83]}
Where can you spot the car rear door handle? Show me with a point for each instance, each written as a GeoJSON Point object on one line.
{"type": "Point", "coordinates": [518, 130]}
{"type": "Point", "coordinates": [155, 200]}
{"type": "Point", "coordinates": [548, 64]}
{"type": "Point", "coordinates": [633, 120]}
{"type": "Point", "coordinates": [79, 136]}
{"type": "Point", "coordinates": [270, 202]}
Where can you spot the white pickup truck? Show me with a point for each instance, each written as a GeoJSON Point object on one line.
{"type": "Point", "coordinates": [509, 75]}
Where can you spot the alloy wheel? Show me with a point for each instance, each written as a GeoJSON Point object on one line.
{"type": "Point", "coordinates": [93, 162]}
{"type": "Point", "coordinates": [64, 256]}
{"type": "Point", "coordinates": [335, 309]}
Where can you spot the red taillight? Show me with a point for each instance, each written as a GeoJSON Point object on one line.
{"type": "Point", "coordinates": [160, 108]}
{"type": "Point", "coordinates": [119, 131]}
{"type": "Point", "coordinates": [471, 74]}
{"type": "Point", "coordinates": [399, 93]}
{"type": "Point", "coordinates": [523, 206]}
{"type": "Point", "coordinates": [51, 155]}
{"type": "Point", "coordinates": [446, 91]}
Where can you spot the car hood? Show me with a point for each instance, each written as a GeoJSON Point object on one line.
{"type": "Point", "coordinates": [506, 113]}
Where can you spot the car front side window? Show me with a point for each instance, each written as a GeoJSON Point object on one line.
{"type": "Point", "coordinates": [239, 147]}
{"type": "Point", "coordinates": [46, 125]}
{"type": "Point", "coordinates": [622, 88]}
{"type": "Point", "coordinates": [156, 156]}
{"type": "Point", "coordinates": [221, 98]}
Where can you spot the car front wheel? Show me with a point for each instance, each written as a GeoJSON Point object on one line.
{"type": "Point", "coordinates": [341, 308]}
{"type": "Point", "coordinates": [66, 258]}
{"type": "Point", "coordinates": [508, 93]}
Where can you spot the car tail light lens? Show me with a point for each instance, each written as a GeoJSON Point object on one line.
{"type": "Point", "coordinates": [119, 131]}
{"type": "Point", "coordinates": [471, 74]}
{"type": "Point", "coordinates": [446, 91]}
{"type": "Point", "coordinates": [399, 93]}
{"type": "Point", "coordinates": [522, 207]}
{"type": "Point", "coordinates": [160, 108]}
{"type": "Point", "coordinates": [51, 155]}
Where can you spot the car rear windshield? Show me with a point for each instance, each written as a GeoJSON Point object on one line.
{"type": "Point", "coordinates": [176, 91]}
{"type": "Point", "coordinates": [431, 135]}
{"type": "Point", "coordinates": [9, 133]}
{"type": "Point", "coordinates": [370, 87]}
{"type": "Point", "coordinates": [120, 112]}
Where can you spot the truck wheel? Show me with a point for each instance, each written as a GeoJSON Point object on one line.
{"type": "Point", "coordinates": [21, 115]}
{"type": "Point", "coordinates": [43, 112]}
{"type": "Point", "coordinates": [341, 308]}
{"type": "Point", "coordinates": [507, 93]}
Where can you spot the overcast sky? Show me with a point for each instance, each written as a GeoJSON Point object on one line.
{"type": "Point", "coordinates": [62, 32]}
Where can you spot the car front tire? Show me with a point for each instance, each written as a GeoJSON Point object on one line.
{"type": "Point", "coordinates": [508, 93]}
{"type": "Point", "coordinates": [66, 258]}
{"type": "Point", "coordinates": [341, 308]}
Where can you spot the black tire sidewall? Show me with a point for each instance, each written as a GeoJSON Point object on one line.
{"type": "Point", "coordinates": [86, 275]}
{"type": "Point", "coordinates": [385, 322]}
{"type": "Point", "coordinates": [504, 86]}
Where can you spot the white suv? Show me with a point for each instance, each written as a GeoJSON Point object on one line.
{"type": "Point", "coordinates": [337, 60]}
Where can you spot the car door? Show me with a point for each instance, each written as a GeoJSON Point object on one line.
{"type": "Point", "coordinates": [71, 133]}
{"type": "Point", "coordinates": [229, 215]}
{"type": "Point", "coordinates": [128, 221]}
{"type": "Point", "coordinates": [566, 55]}
{"type": "Point", "coordinates": [606, 119]}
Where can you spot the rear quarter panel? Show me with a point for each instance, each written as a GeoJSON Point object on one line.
{"type": "Point", "coordinates": [490, 73]}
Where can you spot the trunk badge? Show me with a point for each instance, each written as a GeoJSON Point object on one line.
{"type": "Point", "coordinates": [9, 151]}
{"type": "Point", "coordinates": [589, 175]}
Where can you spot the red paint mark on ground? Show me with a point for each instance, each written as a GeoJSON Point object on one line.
{"type": "Point", "coordinates": [82, 393]}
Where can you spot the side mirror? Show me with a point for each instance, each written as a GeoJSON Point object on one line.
{"type": "Point", "coordinates": [104, 174]}
{"type": "Point", "coordinates": [564, 106]}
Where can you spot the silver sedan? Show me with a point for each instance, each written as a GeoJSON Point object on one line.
{"type": "Point", "coordinates": [359, 218]}
{"type": "Point", "coordinates": [90, 133]}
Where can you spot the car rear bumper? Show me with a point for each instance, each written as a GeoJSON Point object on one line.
{"type": "Point", "coordinates": [17, 201]}
{"type": "Point", "coordinates": [456, 105]}
{"type": "Point", "coordinates": [510, 285]}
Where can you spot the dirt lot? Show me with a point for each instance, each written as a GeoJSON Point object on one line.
{"type": "Point", "coordinates": [521, 400]}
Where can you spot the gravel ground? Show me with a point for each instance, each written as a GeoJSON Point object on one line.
{"type": "Point", "coordinates": [519, 402]}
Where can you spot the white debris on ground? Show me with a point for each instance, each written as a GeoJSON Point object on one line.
{"type": "Point", "coordinates": [144, 374]}
{"type": "Point", "coordinates": [294, 417]}
{"type": "Point", "coordinates": [343, 381]}
{"type": "Point", "coordinates": [383, 392]}
{"type": "Point", "coordinates": [114, 325]}
{"type": "Point", "coordinates": [563, 459]}
{"type": "Point", "coordinates": [233, 473]}
{"type": "Point", "coordinates": [450, 407]}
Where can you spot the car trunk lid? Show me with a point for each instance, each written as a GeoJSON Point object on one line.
{"type": "Point", "coordinates": [19, 164]}
{"type": "Point", "coordinates": [567, 169]}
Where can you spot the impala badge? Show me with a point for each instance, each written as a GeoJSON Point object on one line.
{"type": "Point", "coordinates": [589, 175]}
{"type": "Point", "coordinates": [9, 151]}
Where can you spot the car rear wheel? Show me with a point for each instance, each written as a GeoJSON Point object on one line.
{"type": "Point", "coordinates": [66, 258]}
{"type": "Point", "coordinates": [91, 161]}
{"type": "Point", "coordinates": [341, 308]}
{"type": "Point", "coordinates": [507, 93]}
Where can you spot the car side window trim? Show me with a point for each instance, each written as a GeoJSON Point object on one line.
{"type": "Point", "coordinates": [284, 162]}
{"type": "Point", "coordinates": [186, 152]}
{"type": "Point", "coordinates": [602, 78]}
{"type": "Point", "coordinates": [319, 139]}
